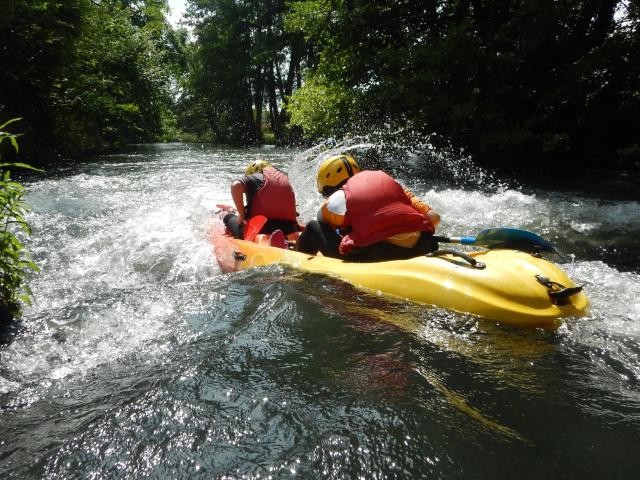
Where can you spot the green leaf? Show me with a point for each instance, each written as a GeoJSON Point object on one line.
{"type": "Point", "coordinates": [26, 166]}
{"type": "Point", "coordinates": [9, 122]}
{"type": "Point", "coordinates": [14, 142]}
{"type": "Point", "coordinates": [25, 298]}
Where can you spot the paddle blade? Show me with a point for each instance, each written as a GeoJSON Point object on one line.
{"type": "Point", "coordinates": [253, 227]}
{"type": "Point", "coordinates": [512, 238]}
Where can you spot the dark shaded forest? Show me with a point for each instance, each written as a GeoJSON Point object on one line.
{"type": "Point", "coordinates": [518, 84]}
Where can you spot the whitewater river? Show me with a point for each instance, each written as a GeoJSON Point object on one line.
{"type": "Point", "coordinates": [140, 359]}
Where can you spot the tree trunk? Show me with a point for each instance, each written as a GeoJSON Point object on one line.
{"type": "Point", "coordinates": [294, 67]}
{"type": "Point", "coordinates": [258, 100]}
{"type": "Point", "coordinates": [273, 102]}
{"type": "Point", "coordinates": [280, 81]}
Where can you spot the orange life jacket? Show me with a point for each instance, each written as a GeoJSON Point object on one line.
{"type": "Point", "coordinates": [275, 199]}
{"type": "Point", "coordinates": [378, 208]}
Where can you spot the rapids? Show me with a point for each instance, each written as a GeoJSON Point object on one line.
{"type": "Point", "coordinates": [140, 359]}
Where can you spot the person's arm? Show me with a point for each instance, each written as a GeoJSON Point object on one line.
{"type": "Point", "coordinates": [422, 207]}
{"type": "Point", "coordinates": [333, 210]}
{"type": "Point", "coordinates": [237, 194]}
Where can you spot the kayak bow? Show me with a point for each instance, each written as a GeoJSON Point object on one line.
{"type": "Point", "coordinates": [508, 286]}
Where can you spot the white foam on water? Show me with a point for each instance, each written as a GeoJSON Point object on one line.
{"type": "Point", "coordinates": [613, 296]}
{"type": "Point", "coordinates": [119, 242]}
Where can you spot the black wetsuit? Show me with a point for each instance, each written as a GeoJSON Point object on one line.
{"type": "Point", "coordinates": [321, 237]}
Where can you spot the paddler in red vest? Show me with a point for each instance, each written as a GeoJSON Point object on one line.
{"type": "Point", "coordinates": [367, 215]}
{"type": "Point", "coordinates": [268, 192]}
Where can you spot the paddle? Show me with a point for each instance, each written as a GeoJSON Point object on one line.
{"type": "Point", "coordinates": [253, 227]}
{"type": "Point", "coordinates": [503, 238]}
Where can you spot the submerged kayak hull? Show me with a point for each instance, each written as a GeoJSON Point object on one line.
{"type": "Point", "coordinates": [506, 290]}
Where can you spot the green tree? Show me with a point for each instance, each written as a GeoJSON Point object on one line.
{"type": "Point", "coordinates": [36, 37]}
{"type": "Point", "coordinates": [113, 88]}
{"type": "Point", "coordinates": [519, 84]}
{"type": "Point", "coordinates": [88, 75]}
{"type": "Point", "coordinates": [223, 70]}
{"type": "Point", "coordinates": [244, 64]}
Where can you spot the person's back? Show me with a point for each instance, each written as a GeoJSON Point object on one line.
{"type": "Point", "coordinates": [377, 209]}
{"type": "Point", "coordinates": [275, 198]}
{"type": "Point", "coordinates": [367, 215]}
{"type": "Point", "coordinates": [268, 192]}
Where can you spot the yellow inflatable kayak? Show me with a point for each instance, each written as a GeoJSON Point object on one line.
{"type": "Point", "coordinates": [505, 285]}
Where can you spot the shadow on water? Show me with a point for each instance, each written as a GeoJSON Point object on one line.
{"type": "Point", "coordinates": [519, 388]}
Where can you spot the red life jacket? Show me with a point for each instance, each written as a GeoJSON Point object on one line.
{"type": "Point", "coordinates": [378, 208]}
{"type": "Point", "coordinates": [275, 199]}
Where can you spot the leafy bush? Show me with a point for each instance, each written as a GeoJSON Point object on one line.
{"type": "Point", "coordinates": [321, 108]}
{"type": "Point", "coordinates": [524, 84]}
{"type": "Point", "coordinates": [14, 259]}
{"type": "Point", "coordinates": [269, 139]}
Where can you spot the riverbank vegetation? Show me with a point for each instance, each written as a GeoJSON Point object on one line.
{"type": "Point", "coordinates": [15, 261]}
{"type": "Point", "coordinates": [529, 82]}
{"type": "Point", "coordinates": [517, 84]}
{"type": "Point", "coordinates": [88, 76]}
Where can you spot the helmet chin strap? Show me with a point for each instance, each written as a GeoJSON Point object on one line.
{"type": "Point", "coordinates": [328, 191]}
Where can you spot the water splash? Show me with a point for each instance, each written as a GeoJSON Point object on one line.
{"type": "Point", "coordinates": [405, 155]}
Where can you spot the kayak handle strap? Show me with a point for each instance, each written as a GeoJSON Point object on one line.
{"type": "Point", "coordinates": [468, 258]}
{"type": "Point", "coordinates": [558, 292]}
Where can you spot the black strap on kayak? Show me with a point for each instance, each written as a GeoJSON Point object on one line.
{"type": "Point", "coordinates": [468, 258]}
{"type": "Point", "coordinates": [239, 256]}
{"type": "Point", "coordinates": [559, 293]}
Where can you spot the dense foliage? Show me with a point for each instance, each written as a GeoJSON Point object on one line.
{"type": "Point", "coordinates": [518, 84]}
{"type": "Point", "coordinates": [87, 75]}
{"type": "Point", "coordinates": [14, 260]}
{"type": "Point", "coordinates": [244, 68]}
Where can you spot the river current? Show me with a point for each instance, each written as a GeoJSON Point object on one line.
{"type": "Point", "coordinates": [140, 359]}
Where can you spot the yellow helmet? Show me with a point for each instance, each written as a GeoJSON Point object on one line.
{"type": "Point", "coordinates": [256, 167]}
{"type": "Point", "coordinates": [334, 171]}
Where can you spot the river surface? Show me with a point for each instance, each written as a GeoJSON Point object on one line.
{"type": "Point", "coordinates": [140, 359]}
